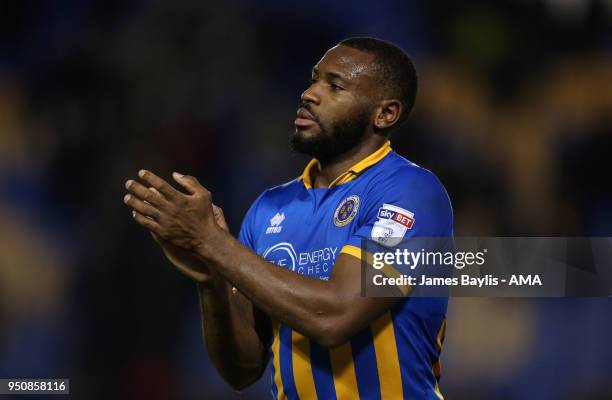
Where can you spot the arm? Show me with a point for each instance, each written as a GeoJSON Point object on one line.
{"type": "Point", "coordinates": [235, 333]}
{"type": "Point", "coordinates": [329, 312]}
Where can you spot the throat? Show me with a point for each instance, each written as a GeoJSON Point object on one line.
{"type": "Point", "coordinates": [328, 172]}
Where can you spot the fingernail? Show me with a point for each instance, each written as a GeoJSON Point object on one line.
{"type": "Point", "coordinates": [133, 214]}
{"type": "Point", "coordinates": [126, 198]}
{"type": "Point", "coordinates": [141, 173]}
{"type": "Point", "coordinates": [177, 175]}
{"type": "Point", "coordinates": [128, 183]}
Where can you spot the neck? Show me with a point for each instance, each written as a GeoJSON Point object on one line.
{"type": "Point", "coordinates": [329, 171]}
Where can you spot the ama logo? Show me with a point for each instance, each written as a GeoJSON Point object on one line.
{"type": "Point", "coordinates": [392, 224]}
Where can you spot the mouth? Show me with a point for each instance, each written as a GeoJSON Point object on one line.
{"type": "Point", "coordinates": [304, 118]}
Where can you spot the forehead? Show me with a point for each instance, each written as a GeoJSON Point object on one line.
{"type": "Point", "coordinates": [346, 61]}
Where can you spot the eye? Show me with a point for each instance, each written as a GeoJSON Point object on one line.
{"type": "Point", "coordinates": [335, 87]}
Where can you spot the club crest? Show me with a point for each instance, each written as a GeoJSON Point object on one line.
{"type": "Point", "coordinates": [346, 211]}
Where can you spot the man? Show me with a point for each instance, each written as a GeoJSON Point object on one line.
{"type": "Point", "coordinates": [291, 283]}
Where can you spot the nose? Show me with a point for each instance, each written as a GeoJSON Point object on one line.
{"type": "Point", "coordinates": [310, 96]}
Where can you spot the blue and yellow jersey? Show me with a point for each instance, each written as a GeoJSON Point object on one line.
{"type": "Point", "coordinates": [302, 228]}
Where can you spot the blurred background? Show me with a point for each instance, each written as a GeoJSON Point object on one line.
{"type": "Point", "coordinates": [514, 114]}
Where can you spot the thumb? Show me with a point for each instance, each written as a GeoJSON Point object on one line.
{"type": "Point", "coordinates": [220, 218]}
{"type": "Point", "coordinates": [188, 182]}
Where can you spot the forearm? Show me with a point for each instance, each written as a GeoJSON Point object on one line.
{"type": "Point", "coordinates": [327, 311]}
{"type": "Point", "coordinates": [310, 306]}
{"type": "Point", "coordinates": [232, 342]}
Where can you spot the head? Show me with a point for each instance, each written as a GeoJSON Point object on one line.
{"type": "Point", "coordinates": [361, 87]}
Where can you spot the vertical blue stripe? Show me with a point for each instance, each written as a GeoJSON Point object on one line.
{"type": "Point", "coordinates": [322, 372]}
{"type": "Point", "coordinates": [406, 350]}
{"type": "Point", "coordinates": [415, 338]}
{"type": "Point", "coordinates": [286, 362]}
{"type": "Point", "coordinates": [364, 358]}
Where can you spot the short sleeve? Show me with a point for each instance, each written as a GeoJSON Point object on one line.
{"type": "Point", "coordinates": [409, 203]}
{"type": "Point", "coordinates": [247, 236]}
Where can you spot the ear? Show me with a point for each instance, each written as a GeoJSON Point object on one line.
{"type": "Point", "coordinates": [388, 113]}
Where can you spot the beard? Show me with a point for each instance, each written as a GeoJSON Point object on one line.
{"type": "Point", "coordinates": [334, 140]}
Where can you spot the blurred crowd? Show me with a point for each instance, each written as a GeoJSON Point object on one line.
{"type": "Point", "coordinates": [514, 114]}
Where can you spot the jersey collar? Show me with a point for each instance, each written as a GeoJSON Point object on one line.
{"type": "Point", "coordinates": [352, 172]}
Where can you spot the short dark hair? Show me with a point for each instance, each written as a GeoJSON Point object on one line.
{"type": "Point", "coordinates": [396, 72]}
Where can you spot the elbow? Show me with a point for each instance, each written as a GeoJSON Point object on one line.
{"type": "Point", "coordinates": [241, 380]}
{"type": "Point", "coordinates": [239, 386]}
{"type": "Point", "coordinates": [331, 342]}
{"type": "Point", "coordinates": [333, 325]}
{"type": "Point", "coordinates": [331, 333]}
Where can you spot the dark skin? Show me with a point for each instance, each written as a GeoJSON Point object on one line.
{"type": "Point", "coordinates": [194, 236]}
{"type": "Point", "coordinates": [342, 82]}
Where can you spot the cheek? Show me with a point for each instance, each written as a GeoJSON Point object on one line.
{"type": "Point", "coordinates": [325, 118]}
{"type": "Point", "coordinates": [339, 111]}
{"type": "Point", "coordinates": [347, 113]}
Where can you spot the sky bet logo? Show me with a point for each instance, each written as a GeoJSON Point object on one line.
{"type": "Point", "coordinates": [405, 218]}
{"type": "Point", "coordinates": [275, 222]}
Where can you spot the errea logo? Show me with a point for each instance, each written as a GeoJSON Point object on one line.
{"type": "Point", "coordinates": [275, 222]}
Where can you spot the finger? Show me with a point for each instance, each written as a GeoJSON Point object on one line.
{"type": "Point", "coordinates": [145, 194]}
{"type": "Point", "coordinates": [218, 211]}
{"type": "Point", "coordinates": [141, 207]}
{"type": "Point", "coordinates": [156, 237]}
{"type": "Point", "coordinates": [146, 222]}
{"type": "Point", "coordinates": [188, 182]}
{"type": "Point", "coordinates": [158, 183]}
{"type": "Point", "coordinates": [219, 217]}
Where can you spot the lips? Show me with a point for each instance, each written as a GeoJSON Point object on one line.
{"type": "Point", "coordinates": [304, 118]}
{"type": "Point", "coordinates": [305, 114]}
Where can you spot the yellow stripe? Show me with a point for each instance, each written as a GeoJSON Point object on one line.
{"type": "Point", "coordinates": [438, 393]}
{"type": "Point", "coordinates": [437, 368]}
{"type": "Point", "coordinates": [387, 269]}
{"type": "Point", "coordinates": [387, 359]}
{"type": "Point", "coordinates": [302, 369]}
{"type": "Point", "coordinates": [362, 165]}
{"type": "Point", "coordinates": [352, 250]}
{"type": "Point", "coordinates": [441, 335]}
{"type": "Point", "coordinates": [345, 380]}
{"type": "Point", "coordinates": [276, 362]}
{"type": "Point", "coordinates": [307, 174]}
{"type": "Point", "coordinates": [352, 173]}
{"type": "Point", "coordinates": [436, 371]}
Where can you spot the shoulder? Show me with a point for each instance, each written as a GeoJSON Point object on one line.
{"type": "Point", "coordinates": [275, 198]}
{"type": "Point", "coordinates": [401, 186]}
{"type": "Point", "coordinates": [399, 174]}
{"type": "Point", "coordinates": [280, 193]}
{"type": "Point", "coordinates": [270, 200]}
